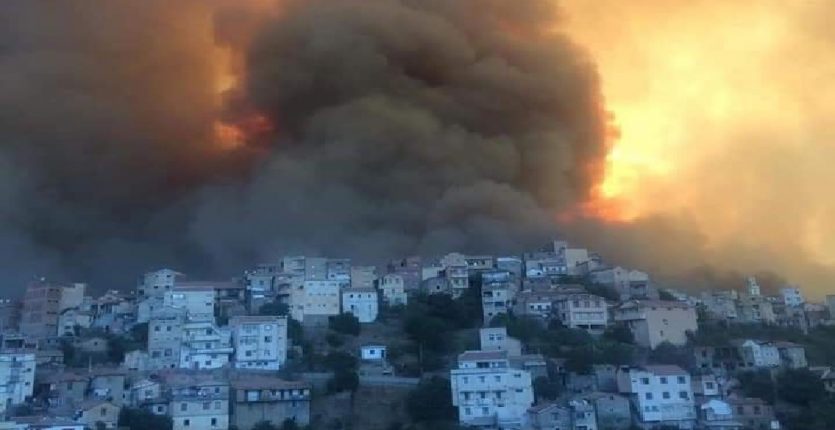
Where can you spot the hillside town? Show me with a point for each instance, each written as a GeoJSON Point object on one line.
{"type": "Point", "coordinates": [553, 339]}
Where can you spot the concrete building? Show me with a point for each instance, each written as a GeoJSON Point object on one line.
{"type": "Point", "coordinates": [17, 378]}
{"type": "Point", "coordinates": [92, 412]}
{"type": "Point", "coordinates": [393, 290]}
{"type": "Point", "coordinates": [363, 303]}
{"type": "Point", "coordinates": [661, 395]}
{"type": "Point", "coordinates": [753, 413]}
{"type": "Point", "coordinates": [572, 415]}
{"type": "Point", "coordinates": [496, 299]}
{"type": "Point", "coordinates": [792, 296]}
{"type": "Point", "coordinates": [260, 342]}
{"type": "Point", "coordinates": [156, 283]}
{"type": "Point", "coordinates": [316, 300]}
{"type": "Point", "coordinates": [410, 269]}
{"type": "Point", "coordinates": [373, 352]}
{"type": "Point", "coordinates": [513, 265]}
{"type": "Point", "coordinates": [653, 322]}
{"type": "Point", "coordinates": [9, 315]}
{"type": "Point", "coordinates": [165, 334]}
{"type": "Point", "coordinates": [196, 303]}
{"type": "Point", "coordinates": [612, 410]}
{"type": "Point", "coordinates": [339, 270]}
{"type": "Point", "coordinates": [543, 264]}
{"type": "Point", "coordinates": [792, 355]}
{"type": "Point", "coordinates": [716, 414]}
{"type": "Point", "coordinates": [488, 392]}
{"type": "Point", "coordinates": [204, 345]}
{"type": "Point", "coordinates": [364, 276]}
{"type": "Point", "coordinates": [42, 304]}
{"type": "Point", "coordinates": [458, 279]}
{"type": "Point", "coordinates": [496, 339]}
{"type": "Point", "coordinates": [756, 354]}
{"type": "Point", "coordinates": [630, 284]}
{"type": "Point", "coordinates": [198, 401]}
{"type": "Point", "coordinates": [584, 311]}
{"type": "Point", "coordinates": [755, 309]}
{"type": "Point", "coordinates": [721, 305]}
{"type": "Point", "coordinates": [73, 319]}
{"type": "Point", "coordinates": [266, 398]}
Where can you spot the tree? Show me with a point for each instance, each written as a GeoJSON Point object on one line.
{"type": "Point", "coordinates": [334, 340]}
{"type": "Point", "coordinates": [139, 333]}
{"type": "Point", "coordinates": [295, 331]}
{"type": "Point", "coordinates": [289, 424]}
{"type": "Point", "coordinates": [431, 401]}
{"type": "Point", "coordinates": [274, 308]}
{"type": "Point", "coordinates": [141, 419]}
{"type": "Point", "coordinates": [345, 323]}
{"type": "Point", "coordinates": [429, 332]}
{"type": "Point", "coordinates": [605, 291]}
{"type": "Point", "coordinates": [343, 380]}
{"type": "Point", "coordinates": [264, 425]}
{"type": "Point", "coordinates": [667, 353]}
{"type": "Point", "coordinates": [545, 389]}
{"type": "Point", "coordinates": [800, 387]}
{"type": "Point", "coordinates": [340, 361]}
{"type": "Point", "coordinates": [757, 383]}
{"type": "Point", "coordinates": [619, 333]}
{"type": "Point", "coordinates": [666, 295]}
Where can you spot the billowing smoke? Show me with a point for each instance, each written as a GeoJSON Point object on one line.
{"type": "Point", "coordinates": [400, 127]}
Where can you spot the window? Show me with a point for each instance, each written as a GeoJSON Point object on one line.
{"type": "Point", "coordinates": [468, 411]}
{"type": "Point", "coordinates": [648, 396]}
{"type": "Point", "coordinates": [183, 406]}
{"type": "Point", "coordinates": [498, 378]}
{"type": "Point", "coordinates": [483, 394]}
{"type": "Point", "coordinates": [214, 422]}
{"type": "Point", "coordinates": [485, 411]}
{"type": "Point", "coordinates": [103, 412]}
{"type": "Point", "coordinates": [663, 379]}
{"type": "Point", "coordinates": [465, 380]}
{"type": "Point", "coordinates": [206, 406]}
{"type": "Point", "coordinates": [268, 339]}
{"type": "Point", "coordinates": [645, 381]}
{"type": "Point", "coordinates": [186, 423]}
{"type": "Point", "coordinates": [683, 395]}
{"type": "Point", "coordinates": [665, 395]}
{"type": "Point", "coordinates": [682, 380]}
{"type": "Point", "coordinates": [709, 385]}
{"type": "Point", "coordinates": [757, 410]}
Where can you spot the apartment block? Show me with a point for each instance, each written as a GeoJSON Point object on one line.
{"type": "Point", "coordinates": [361, 302]}
{"type": "Point", "coordinates": [653, 322]}
{"type": "Point", "coordinates": [260, 342]}
{"type": "Point", "coordinates": [661, 395]}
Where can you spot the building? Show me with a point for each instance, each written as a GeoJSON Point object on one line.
{"type": "Point", "coordinates": [716, 414]}
{"type": "Point", "coordinates": [204, 345]}
{"type": "Point", "coordinates": [543, 264]}
{"type": "Point", "coordinates": [753, 413]}
{"type": "Point", "coordinates": [92, 412]}
{"type": "Point", "coordinates": [830, 304]}
{"type": "Point", "coordinates": [584, 311]}
{"type": "Point", "coordinates": [572, 415]}
{"type": "Point", "coordinates": [315, 301]}
{"type": "Point", "coordinates": [373, 352]}
{"type": "Point", "coordinates": [364, 276]}
{"type": "Point", "coordinates": [488, 392]}
{"type": "Point", "coordinates": [9, 315]}
{"type": "Point", "coordinates": [755, 309]}
{"type": "Point", "coordinates": [757, 354]}
{"type": "Point", "coordinates": [661, 395]}
{"type": "Point", "coordinates": [458, 279]}
{"type": "Point", "coordinates": [195, 302]}
{"type": "Point", "coordinates": [360, 302]}
{"type": "Point", "coordinates": [393, 290]}
{"type": "Point", "coordinates": [792, 355]}
{"type": "Point", "coordinates": [17, 378]}
{"type": "Point", "coordinates": [266, 398]}
{"type": "Point", "coordinates": [496, 339]}
{"type": "Point", "coordinates": [260, 342]}
{"type": "Point", "coordinates": [165, 334]}
{"type": "Point", "coordinates": [792, 296]}
{"type": "Point", "coordinates": [339, 270]}
{"type": "Point", "coordinates": [73, 319]}
{"type": "Point", "coordinates": [721, 305]}
{"type": "Point", "coordinates": [156, 283]}
{"type": "Point", "coordinates": [42, 304]}
{"type": "Point", "coordinates": [654, 322]}
{"type": "Point", "coordinates": [612, 410]}
{"type": "Point", "coordinates": [410, 269]}
{"type": "Point", "coordinates": [630, 284]}
{"type": "Point", "coordinates": [495, 299]}
{"type": "Point", "coordinates": [198, 400]}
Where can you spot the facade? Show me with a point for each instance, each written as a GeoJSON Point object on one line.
{"type": "Point", "coordinates": [584, 311]}
{"type": "Point", "coordinates": [496, 339]}
{"type": "Point", "coordinates": [17, 378]}
{"type": "Point", "coordinates": [759, 354]}
{"type": "Point", "coordinates": [196, 303]}
{"type": "Point", "coordinates": [572, 415]}
{"type": "Point", "coordinates": [92, 412]}
{"type": "Point", "coordinates": [156, 283]}
{"type": "Point", "coordinates": [792, 296]}
{"type": "Point", "coordinates": [753, 413]}
{"type": "Point", "coordinates": [72, 319]}
{"type": "Point", "coordinates": [361, 302]}
{"type": "Point", "coordinates": [410, 269]}
{"type": "Point", "coordinates": [661, 395]}
{"type": "Point", "coordinates": [393, 290]}
{"type": "Point", "coordinates": [458, 279]}
{"type": "Point", "coordinates": [630, 284]}
{"type": "Point", "coordinates": [363, 276]}
{"type": "Point", "coordinates": [654, 322]}
{"type": "Point", "coordinates": [495, 299]}
{"type": "Point", "coordinates": [755, 309]}
{"type": "Point", "coordinates": [488, 392]}
{"type": "Point", "coordinates": [264, 398]}
{"type": "Point", "coordinates": [260, 342]}
{"type": "Point", "coordinates": [612, 410]}
{"type": "Point", "coordinates": [165, 334]}
{"type": "Point", "coordinates": [721, 305]}
{"type": "Point", "coordinates": [199, 401]}
{"type": "Point", "coordinates": [41, 307]}
{"type": "Point", "coordinates": [204, 346]}
{"type": "Point", "coordinates": [316, 298]}
{"type": "Point", "coordinates": [373, 352]}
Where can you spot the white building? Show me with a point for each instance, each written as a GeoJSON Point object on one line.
{"type": "Point", "coordinates": [199, 402]}
{"type": "Point", "coordinates": [792, 296]}
{"type": "Point", "coordinates": [653, 322]}
{"type": "Point", "coordinates": [165, 333]}
{"type": "Point", "coordinates": [361, 302]}
{"type": "Point", "coordinates": [495, 299]}
{"type": "Point", "coordinates": [17, 378]}
{"type": "Point", "coordinates": [197, 303]}
{"type": "Point", "coordinates": [204, 346]}
{"type": "Point", "coordinates": [661, 394]}
{"type": "Point", "coordinates": [759, 354]}
{"type": "Point", "coordinates": [315, 298]}
{"type": "Point", "coordinates": [363, 276]}
{"type": "Point", "coordinates": [155, 284]}
{"type": "Point", "coordinates": [585, 311]}
{"type": "Point", "coordinates": [373, 352]}
{"type": "Point", "coordinates": [260, 342]}
{"type": "Point", "coordinates": [393, 290]}
{"type": "Point", "coordinates": [488, 392]}
{"type": "Point", "coordinates": [496, 339]}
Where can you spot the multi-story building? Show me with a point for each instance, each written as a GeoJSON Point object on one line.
{"type": "Point", "coordinates": [17, 378]}
{"type": "Point", "coordinates": [571, 415]}
{"type": "Point", "coordinates": [792, 355]}
{"type": "Point", "coordinates": [458, 279]}
{"type": "Point", "coordinates": [755, 309]}
{"type": "Point", "coordinates": [653, 322]}
{"type": "Point", "coordinates": [792, 296]}
{"type": "Point", "coordinates": [156, 283]}
{"type": "Point", "coordinates": [410, 268]}
{"type": "Point", "coordinates": [721, 305]}
{"type": "Point", "coordinates": [535, 303]}
{"type": "Point", "coordinates": [496, 339]}
{"type": "Point", "coordinates": [204, 346]}
{"type": "Point", "coordinates": [42, 304]}
{"type": "Point", "coordinates": [753, 413]}
{"type": "Point", "coordinates": [612, 410]}
{"type": "Point", "coordinates": [261, 398]}
{"type": "Point", "coordinates": [496, 299]}
{"type": "Point", "coordinates": [196, 303]}
{"type": "Point", "coordinates": [9, 315]}
{"type": "Point", "coordinates": [630, 284]}
{"type": "Point", "coordinates": [756, 354]}
{"type": "Point", "coordinates": [198, 401]}
{"type": "Point", "coordinates": [393, 290]}
{"type": "Point", "coordinates": [661, 395]}
{"type": "Point", "coordinates": [488, 392]}
{"type": "Point", "coordinates": [73, 319]}
{"type": "Point", "coordinates": [165, 334]}
{"type": "Point", "coordinates": [365, 276]}
{"type": "Point", "coordinates": [315, 300]}
{"type": "Point", "coordinates": [542, 264]}
{"type": "Point", "coordinates": [260, 342]}
{"type": "Point", "coordinates": [363, 303]}
{"type": "Point", "coordinates": [584, 311]}
{"type": "Point", "coordinates": [513, 265]}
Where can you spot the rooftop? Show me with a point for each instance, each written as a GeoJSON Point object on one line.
{"type": "Point", "coordinates": [482, 355]}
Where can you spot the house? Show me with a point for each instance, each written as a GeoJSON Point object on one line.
{"type": "Point", "coordinates": [612, 410]}
{"type": "Point", "coordinates": [458, 279]}
{"type": "Point", "coordinates": [630, 284]}
{"type": "Point", "coordinates": [393, 290]}
{"type": "Point", "coordinates": [572, 415]}
{"type": "Point", "coordinates": [757, 354]}
{"type": "Point", "coordinates": [753, 413]}
{"type": "Point", "coordinates": [315, 301]}
{"type": "Point", "coordinates": [487, 391]}
{"type": "Point", "coordinates": [706, 385]}
{"type": "Point", "coordinates": [583, 311]}
{"type": "Point", "coordinates": [495, 299]}
{"type": "Point", "coordinates": [512, 265]}
{"type": "Point", "coordinates": [17, 378]}
{"type": "Point", "coordinates": [361, 302]}
{"type": "Point", "coordinates": [92, 412]}
{"type": "Point", "coordinates": [136, 360]}
{"type": "Point", "coordinates": [410, 269]}
{"type": "Point", "coordinates": [260, 342]}
{"type": "Point", "coordinates": [542, 264]}
{"type": "Point", "coordinates": [64, 387]}
{"type": "Point", "coordinates": [39, 422]}
{"type": "Point", "coordinates": [717, 415]}
{"type": "Point", "coordinates": [198, 400]}
{"type": "Point", "coordinates": [792, 355]}
{"type": "Point", "coordinates": [108, 384]}
{"type": "Point", "coordinates": [364, 276]}
{"type": "Point", "coordinates": [537, 304]}
{"type": "Point", "coordinates": [72, 319]}
{"type": "Point", "coordinates": [496, 339]}
{"type": "Point", "coordinates": [204, 345]}
{"type": "Point", "coordinates": [828, 378]}
{"type": "Point", "coordinates": [196, 302]}
{"type": "Point", "coordinates": [373, 352]}
{"type": "Point", "coordinates": [165, 334]}
{"type": "Point", "coordinates": [42, 303]}
{"type": "Point", "coordinates": [720, 305]}
{"type": "Point", "coordinates": [145, 390]}
{"type": "Point", "coordinates": [654, 322]}
{"type": "Point", "coordinates": [755, 309]}
{"type": "Point", "coordinates": [661, 395]}
{"type": "Point", "coordinates": [792, 297]}
{"type": "Point", "coordinates": [266, 398]}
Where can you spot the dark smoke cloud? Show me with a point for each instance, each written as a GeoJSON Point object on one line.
{"type": "Point", "coordinates": [411, 127]}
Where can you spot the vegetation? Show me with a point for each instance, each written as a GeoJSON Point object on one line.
{"type": "Point", "coordinates": [344, 368]}
{"type": "Point", "coordinates": [430, 401]}
{"type": "Point", "coordinates": [141, 419]}
{"type": "Point", "coordinates": [345, 323]}
{"type": "Point", "coordinates": [274, 308]}
{"type": "Point", "coordinates": [545, 389]}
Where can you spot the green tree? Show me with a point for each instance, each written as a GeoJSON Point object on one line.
{"type": "Point", "coordinates": [667, 353]}
{"type": "Point", "coordinates": [757, 383]}
{"type": "Point", "coordinates": [431, 401]}
{"type": "Point", "coordinates": [295, 331]}
{"type": "Point", "coordinates": [619, 333]}
{"type": "Point", "coordinates": [141, 419]}
{"type": "Point", "coordinates": [345, 323]}
{"type": "Point", "coordinates": [545, 389]}
{"type": "Point", "coordinates": [343, 380]}
{"type": "Point", "coordinates": [800, 387]}
{"type": "Point", "coordinates": [274, 308]}
{"type": "Point", "coordinates": [139, 333]}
